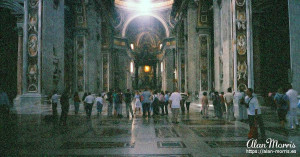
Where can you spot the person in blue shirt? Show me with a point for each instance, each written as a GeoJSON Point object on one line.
{"type": "Point", "coordinates": [282, 103]}
{"type": "Point", "coordinates": [146, 102]}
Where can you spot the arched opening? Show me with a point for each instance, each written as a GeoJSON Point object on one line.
{"type": "Point", "coordinates": [8, 52]}
{"type": "Point", "coordinates": [145, 34]}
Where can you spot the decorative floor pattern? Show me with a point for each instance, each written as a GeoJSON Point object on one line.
{"type": "Point", "coordinates": [170, 144]}
{"type": "Point", "coordinates": [98, 145]}
{"type": "Point", "coordinates": [220, 132]}
{"type": "Point", "coordinates": [225, 144]}
{"type": "Point", "coordinates": [165, 132]}
{"type": "Point", "coordinates": [206, 122]}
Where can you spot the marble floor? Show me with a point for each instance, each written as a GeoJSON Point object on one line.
{"type": "Point", "coordinates": [39, 135]}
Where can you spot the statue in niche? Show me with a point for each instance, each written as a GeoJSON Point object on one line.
{"type": "Point", "coordinates": [241, 20]}
{"type": "Point", "coordinates": [242, 70]}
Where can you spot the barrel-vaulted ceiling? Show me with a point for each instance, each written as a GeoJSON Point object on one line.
{"type": "Point", "coordinates": [145, 23]}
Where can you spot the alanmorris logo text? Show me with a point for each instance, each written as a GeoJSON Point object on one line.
{"type": "Point", "coordinates": [269, 143]}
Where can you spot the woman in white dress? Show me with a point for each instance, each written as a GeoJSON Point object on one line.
{"type": "Point", "coordinates": [138, 103]}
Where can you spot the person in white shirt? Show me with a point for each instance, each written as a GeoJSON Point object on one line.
{"type": "Point", "coordinates": [254, 112]}
{"type": "Point", "coordinates": [99, 102]}
{"type": "Point", "coordinates": [292, 95]}
{"type": "Point", "coordinates": [240, 97]}
{"type": "Point", "coordinates": [54, 101]}
{"type": "Point", "coordinates": [89, 100]}
{"type": "Point", "coordinates": [174, 101]}
{"type": "Point", "coordinates": [229, 104]}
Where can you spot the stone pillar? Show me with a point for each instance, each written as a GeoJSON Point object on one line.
{"type": "Point", "coordinates": [20, 56]}
{"type": "Point", "coordinates": [294, 21]}
{"type": "Point", "coordinates": [226, 44]}
{"type": "Point", "coordinates": [192, 46]}
{"type": "Point", "coordinates": [204, 27]}
{"type": "Point", "coordinates": [217, 46]}
{"type": "Point", "coordinates": [31, 79]}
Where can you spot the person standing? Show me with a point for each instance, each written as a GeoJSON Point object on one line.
{"type": "Point", "coordinates": [99, 102]}
{"type": "Point", "coordinates": [254, 112]}
{"type": "Point", "coordinates": [54, 101]}
{"type": "Point", "coordinates": [119, 101]}
{"type": "Point", "coordinates": [64, 101]}
{"type": "Point", "coordinates": [138, 103]}
{"type": "Point", "coordinates": [188, 102]}
{"type": "Point", "coordinates": [282, 103]}
{"type": "Point", "coordinates": [146, 102]}
{"type": "Point", "coordinates": [174, 100]}
{"type": "Point", "coordinates": [222, 101]}
{"type": "Point", "coordinates": [89, 100]}
{"type": "Point", "coordinates": [166, 102]}
{"type": "Point", "coordinates": [217, 105]}
{"type": "Point", "coordinates": [128, 100]}
{"type": "Point", "coordinates": [240, 97]}
{"type": "Point", "coordinates": [228, 97]}
{"type": "Point", "coordinates": [205, 105]}
{"type": "Point", "coordinates": [155, 103]}
{"type": "Point", "coordinates": [162, 102]}
{"type": "Point", "coordinates": [293, 119]}
{"type": "Point", "coordinates": [83, 98]}
{"type": "Point", "coordinates": [110, 103]}
{"type": "Point", "coordinates": [4, 103]}
{"type": "Point", "coordinates": [76, 102]}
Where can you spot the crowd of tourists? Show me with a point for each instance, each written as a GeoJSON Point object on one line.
{"type": "Point", "coordinates": [149, 103]}
{"type": "Point", "coordinates": [146, 103]}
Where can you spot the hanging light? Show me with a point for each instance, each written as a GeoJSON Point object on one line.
{"type": "Point", "coordinates": [147, 68]}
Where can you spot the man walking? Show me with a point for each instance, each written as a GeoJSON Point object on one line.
{"type": "Point", "coordinates": [89, 100]}
{"type": "Point", "coordinates": [229, 103]}
{"type": "Point", "coordinates": [128, 100]}
{"type": "Point", "coordinates": [175, 99]}
{"type": "Point", "coordinates": [254, 112]}
{"type": "Point", "coordinates": [65, 105]}
{"type": "Point", "coordinates": [110, 103]}
{"type": "Point", "coordinates": [292, 94]}
{"type": "Point", "coordinates": [146, 102]}
{"type": "Point", "coordinates": [240, 97]}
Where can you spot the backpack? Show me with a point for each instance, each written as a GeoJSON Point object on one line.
{"type": "Point", "coordinates": [282, 103]}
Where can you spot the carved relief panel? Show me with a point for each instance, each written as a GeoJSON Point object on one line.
{"type": "Point", "coordinates": [241, 44]}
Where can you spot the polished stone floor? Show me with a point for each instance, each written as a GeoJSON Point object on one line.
{"type": "Point", "coordinates": [39, 135]}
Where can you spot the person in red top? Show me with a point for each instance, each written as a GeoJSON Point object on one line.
{"type": "Point", "coordinates": [222, 100]}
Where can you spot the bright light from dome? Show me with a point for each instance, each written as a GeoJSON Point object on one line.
{"type": "Point", "coordinates": [143, 6]}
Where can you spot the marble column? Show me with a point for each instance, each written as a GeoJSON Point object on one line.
{"type": "Point", "coordinates": [294, 22]}
{"type": "Point", "coordinates": [20, 59]}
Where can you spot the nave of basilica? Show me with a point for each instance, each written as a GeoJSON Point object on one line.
{"type": "Point", "coordinates": [63, 51]}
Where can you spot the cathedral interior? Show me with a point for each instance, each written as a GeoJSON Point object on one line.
{"type": "Point", "coordinates": [97, 46]}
